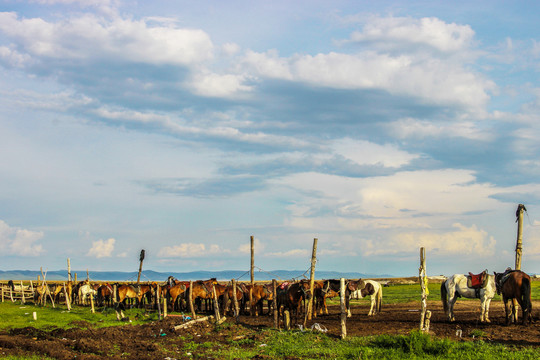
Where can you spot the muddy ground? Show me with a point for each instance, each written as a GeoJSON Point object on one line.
{"type": "Point", "coordinates": [159, 340]}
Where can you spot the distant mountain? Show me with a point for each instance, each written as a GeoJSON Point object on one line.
{"type": "Point", "coordinates": [150, 275]}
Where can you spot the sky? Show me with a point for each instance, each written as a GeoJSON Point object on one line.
{"type": "Point", "coordinates": [184, 128]}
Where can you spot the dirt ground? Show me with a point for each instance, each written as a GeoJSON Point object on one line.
{"type": "Point", "coordinates": [159, 340]}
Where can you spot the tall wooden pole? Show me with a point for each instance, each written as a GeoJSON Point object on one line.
{"type": "Point", "coordinates": [191, 307]}
{"type": "Point", "coordinates": [252, 267]}
{"type": "Point", "coordinates": [69, 269]}
{"type": "Point", "coordinates": [235, 301]}
{"type": "Point", "coordinates": [311, 281]}
{"type": "Point", "coordinates": [276, 310]}
{"type": "Point", "coordinates": [519, 216]}
{"type": "Point", "coordinates": [141, 258]}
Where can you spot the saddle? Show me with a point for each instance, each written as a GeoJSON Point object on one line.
{"type": "Point", "coordinates": [477, 281]}
{"type": "Point", "coordinates": [284, 285]}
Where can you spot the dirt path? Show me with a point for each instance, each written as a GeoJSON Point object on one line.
{"type": "Point", "coordinates": [158, 340]}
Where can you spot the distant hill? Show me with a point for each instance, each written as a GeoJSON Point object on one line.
{"type": "Point", "coordinates": [150, 275]}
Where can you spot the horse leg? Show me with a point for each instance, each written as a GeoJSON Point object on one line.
{"type": "Point", "coordinates": [506, 309]}
{"type": "Point", "coordinates": [451, 303]}
{"type": "Point", "coordinates": [515, 310]}
{"type": "Point", "coordinates": [348, 305]}
{"type": "Point", "coordinates": [486, 314]}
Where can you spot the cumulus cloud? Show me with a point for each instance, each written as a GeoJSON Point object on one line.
{"type": "Point", "coordinates": [365, 152]}
{"type": "Point", "coordinates": [17, 241]}
{"type": "Point", "coordinates": [89, 37]}
{"type": "Point", "coordinates": [101, 248]}
{"type": "Point", "coordinates": [294, 253]}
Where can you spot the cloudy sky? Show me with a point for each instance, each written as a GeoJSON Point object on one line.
{"type": "Point", "coordinates": [183, 128]}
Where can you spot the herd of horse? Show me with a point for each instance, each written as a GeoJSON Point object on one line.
{"type": "Point", "coordinates": [514, 286]}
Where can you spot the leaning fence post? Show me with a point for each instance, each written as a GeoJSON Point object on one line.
{"type": "Point", "coordinates": [343, 308]}
{"type": "Point", "coordinates": [68, 302]}
{"type": "Point", "coordinates": [215, 301]}
{"type": "Point", "coordinates": [22, 293]}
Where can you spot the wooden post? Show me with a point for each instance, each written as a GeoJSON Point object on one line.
{"type": "Point", "coordinates": [22, 293]}
{"type": "Point", "coordinates": [141, 258]}
{"type": "Point", "coordinates": [75, 278]}
{"type": "Point", "coordinates": [343, 308]}
{"type": "Point", "coordinates": [2, 292]}
{"type": "Point", "coordinates": [235, 301]}
{"type": "Point", "coordinates": [425, 314]}
{"type": "Point", "coordinates": [165, 310]}
{"type": "Point", "coordinates": [251, 307]}
{"type": "Point", "coordinates": [216, 305]}
{"type": "Point", "coordinates": [519, 220]}
{"type": "Point", "coordinates": [69, 269]}
{"type": "Point", "coordinates": [11, 294]}
{"type": "Point", "coordinates": [193, 315]}
{"type": "Point", "coordinates": [68, 302]}
{"type": "Point", "coordinates": [276, 310]}
{"type": "Point", "coordinates": [114, 293]}
{"type": "Point", "coordinates": [158, 301]}
{"type": "Point", "coordinates": [91, 293]}
{"type": "Point", "coordinates": [311, 282]}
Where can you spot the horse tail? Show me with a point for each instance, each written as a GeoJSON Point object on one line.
{"type": "Point", "coordinates": [444, 296]}
{"type": "Point", "coordinates": [379, 299]}
{"type": "Point", "coordinates": [526, 296]}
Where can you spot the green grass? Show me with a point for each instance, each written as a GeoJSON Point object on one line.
{"type": "Point", "coordinates": [18, 316]}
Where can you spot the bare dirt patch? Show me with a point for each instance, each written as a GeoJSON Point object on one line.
{"type": "Point", "coordinates": [159, 340]}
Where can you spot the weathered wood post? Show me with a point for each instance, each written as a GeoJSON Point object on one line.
{"type": "Point", "coordinates": [276, 310]}
{"type": "Point", "coordinates": [11, 294]}
{"type": "Point", "coordinates": [193, 315]}
{"type": "Point", "coordinates": [22, 293]}
{"type": "Point", "coordinates": [141, 258]}
{"type": "Point", "coordinates": [215, 301]}
{"type": "Point", "coordinates": [69, 269]}
{"type": "Point", "coordinates": [343, 308]}
{"type": "Point", "coordinates": [519, 220]}
{"type": "Point", "coordinates": [114, 293]}
{"type": "Point", "coordinates": [2, 292]}
{"type": "Point", "coordinates": [235, 301]}
{"type": "Point", "coordinates": [425, 314]}
{"type": "Point", "coordinates": [309, 311]}
{"type": "Point", "coordinates": [68, 302]}
{"type": "Point", "coordinates": [252, 276]}
{"type": "Point", "coordinates": [91, 292]}
{"type": "Point", "coordinates": [158, 301]}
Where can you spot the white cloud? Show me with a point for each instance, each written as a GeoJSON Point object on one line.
{"type": "Point", "coordinates": [215, 85]}
{"type": "Point", "coordinates": [365, 152]}
{"type": "Point", "coordinates": [420, 129]}
{"type": "Point", "coordinates": [189, 250]}
{"type": "Point", "coordinates": [294, 253]}
{"type": "Point", "coordinates": [16, 241]}
{"type": "Point", "coordinates": [257, 245]}
{"type": "Point", "coordinates": [101, 248]}
{"type": "Point", "coordinates": [405, 31]}
{"type": "Point", "coordinates": [91, 37]}
{"type": "Point", "coordinates": [465, 241]}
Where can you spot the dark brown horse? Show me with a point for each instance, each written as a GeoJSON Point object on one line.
{"type": "Point", "coordinates": [176, 293]}
{"type": "Point", "coordinates": [515, 285]}
{"type": "Point", "coordinates": [145, 293]}
{"type": "Point", "coordinates": [291, 296]}
{"type": "Point", "coordinates": [322, 292]}
{"type": "Point", "coordinates": [105, 295]}
{"type": "Point", "coordinates": [350, 286]}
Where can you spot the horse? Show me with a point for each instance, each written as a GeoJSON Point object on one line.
{"type": "Point", "coordinates": [228, 295]}
{"type": "Point", "coordinates": [145, 292]}
{"type": "Point", "coordinates": [515, 285]}
{"type": "Point", "coordinates": [85, 291]}
{"type": "Point", "coordinates": [322, 292]}
{"type": "Point", "coordinates": [259, 294]}
{"type": "Point", "coordinates": [456, 286]}
{"type": "Point", "coordinates": [291, 296]}
{"type": "Point", "coordinates": [105, 295]}
{"type": "Point", "coordinates": [202, 290]}
{"type": "Point", "coordinates": [374, 289]}
{"type": "Point", "coordinates": [175, 294]}
{"type": "Point", "coordinates": [350, 286]}
{"type": "Point", "coordinates": [125, 292]}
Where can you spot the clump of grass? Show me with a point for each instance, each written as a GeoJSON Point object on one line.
{"type": "Point", "coordinates": [416, 343]}
{"type": "Point", "coordinates": [477, 333]}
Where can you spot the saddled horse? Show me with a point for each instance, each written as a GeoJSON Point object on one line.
{"type": "Point", "coordinates": [456, 286]}
{"type": "Point", "coordinates": [291, 296]}
{"type": "Point", "coordinates": [350, 286]}
{"type": "Point", "coordinates": [228, 298]}
{"type": "Point", "coordinates": [322, 291]}
{"type": "Point", "coordinates": [125, 293]}
{"type": "Point", "coordinates": [515, 285]}
{"type": "Point", "coordinates": [373, 289]}
{"type": "Point", "coordinates": [260, 293]}
{"type": "Point", "coordinates": [175, 294]}
{"type": "Point", "coordinates": [203, 290]}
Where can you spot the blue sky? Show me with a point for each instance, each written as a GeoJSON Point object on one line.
{"type": "Point", "coordinates": [183, 128]}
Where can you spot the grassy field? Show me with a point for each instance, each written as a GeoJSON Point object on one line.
{"type": "Point", "coordinates": [274, 344]}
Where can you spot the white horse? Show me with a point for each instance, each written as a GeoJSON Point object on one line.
{"type": "Point", "coordinates": [84, 292]}
{"type": "Point", "coordinates": [374, 289]}
{"type": "Point", "coordinates": [456, 286]}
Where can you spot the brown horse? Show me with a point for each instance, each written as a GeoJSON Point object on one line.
{"type": "Point", "coordinates": [202, 290]}
{"type": "Point", "coordinates": [125, 293]}
{"type": "Point", "coordinates": [350, 286]}
{"type": "Point", "coordinates": [322, 292]}
{"type": "Point", "coordinates": [291, 296]}
{"type": "Point", "coordinates": [228, 295]}
{"type": "Point", "coordinates": [515, 285]}
{"type": "Point", "coordinates": [176, 293]}
{"type": "Point", "coordinates": [259, 295]}
{"type": "Point", "coordinates": [145, 293]}
{"type": "Point", "coordinates": [104, 295]}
